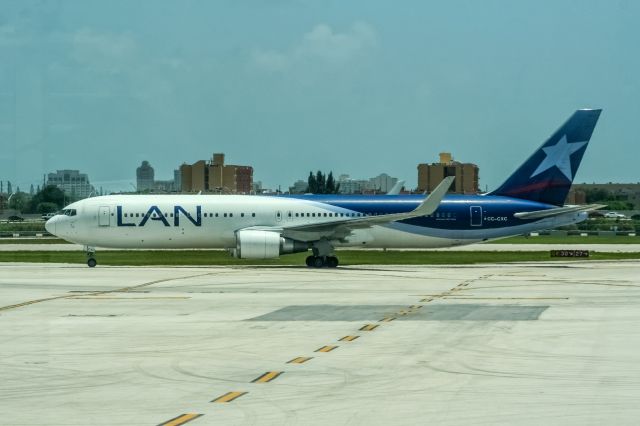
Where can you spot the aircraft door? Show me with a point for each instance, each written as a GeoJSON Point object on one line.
{"type": "Point", "coordinates": [476, 216]}
{"type": "Point", "coordinates": [104, 216]}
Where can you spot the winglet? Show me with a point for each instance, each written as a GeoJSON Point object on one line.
{"type": "Point", "coordinates": [431, 203]}
{"type": "Point", "coordinates": [396, 188]}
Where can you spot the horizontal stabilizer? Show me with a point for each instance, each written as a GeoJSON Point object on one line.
{"type": "Point", "coordinates": [540, 214]}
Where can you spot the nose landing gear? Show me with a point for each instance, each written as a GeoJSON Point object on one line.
{"type": "Point", "coordinates": [91, 261]}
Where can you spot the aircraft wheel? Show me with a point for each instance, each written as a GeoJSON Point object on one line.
{"type": "Point", "coordinates": [332, 262]}
{"type": "Point", "coordinates": [91, 262]}
{"type": "Point", "coordinates": [309, 261]}
{"type": "Point", "coordinates": [318, 262]}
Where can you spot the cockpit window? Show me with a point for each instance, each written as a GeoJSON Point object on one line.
{"type": "Point", "coordinates": [68, 212]}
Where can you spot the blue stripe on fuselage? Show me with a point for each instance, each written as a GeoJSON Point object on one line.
{"type": "Point", "coordinates": [453, 213]}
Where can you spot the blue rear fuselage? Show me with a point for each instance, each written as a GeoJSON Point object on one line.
{"type": "Point", "coordinates": [459, 217]}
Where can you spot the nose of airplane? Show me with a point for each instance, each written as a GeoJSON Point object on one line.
{"type": "Point", "coordinates": [50, 225]}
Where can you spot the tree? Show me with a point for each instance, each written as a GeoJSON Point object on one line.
{"type": "Point", "coordinates": [312, 184]}
{"type": "Point", "coordinates": [19, 202]}
{"type": "Point", "coordinates": [47, 207]}
{"type": "Point", "coordinates": [49, 194]}
{"type": "Point", "coordinates": [321, 184]}
{"type": "Point", "coordinates": [332, 188]}
{"type": "Point", "coordinates": [9, 191]}
{"type": "Point", "coordinates": [594, 195]}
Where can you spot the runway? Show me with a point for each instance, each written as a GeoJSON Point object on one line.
{"type": "Point", "coordinates": [536, 343]}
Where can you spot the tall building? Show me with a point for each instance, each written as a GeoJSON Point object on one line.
{"type": "Point", "coordinates": [430, 175]}
{"type": "Point", "coordinates": [72, 182]}
{"type": "Point", "coordinates": [382, 183]}
{"type": "Point", "coordinates": [145, 177]}
{"type": "Point", "coordinates": [177, 184]}
{"type": "Point", "coordinates": [352, 186]}
{"type": "Point", "coordinates": [215, 176]}
{"type": "Point", "coordinates": [299, 187]}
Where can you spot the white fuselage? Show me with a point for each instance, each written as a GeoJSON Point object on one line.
{"type": "Point", "coordinates": [211, 221]}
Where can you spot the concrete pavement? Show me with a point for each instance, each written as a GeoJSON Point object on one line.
{"type": "Point", "coordinates": [553, 343]}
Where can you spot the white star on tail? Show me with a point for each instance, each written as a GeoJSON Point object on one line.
{"type": "Point", "coordinates": [559, 155]}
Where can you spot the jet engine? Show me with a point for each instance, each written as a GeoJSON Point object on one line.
{"type": "Point", "coordinates": [257, 244]}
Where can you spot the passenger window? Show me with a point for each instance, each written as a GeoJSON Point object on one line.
{"type": "Point", "coordinates": [325, 215]}
{"type": "Point", "coordinates": [241, 214]}
{"type": "Point", "coordinates": [216, 214]}
{"type": "Point", "coordinates": [230, 214]}
{"type": "Point", "coordinates": [137, 215]}
{"type": "Point", "coordinates": [253, 215]}
{"type": "Point", "coordinates": [225, 215]}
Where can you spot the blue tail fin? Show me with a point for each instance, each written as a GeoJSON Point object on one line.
{"type": "Point", "coordinates": [547, 175]}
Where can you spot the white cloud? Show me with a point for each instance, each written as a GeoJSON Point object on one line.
{"type": "Point", "coordinates": [106, 51]}
{"type": "Point", "coordinates": [321, 44]}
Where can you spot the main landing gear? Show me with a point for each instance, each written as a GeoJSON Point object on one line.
{"type": "Point", "coordinates": [323, 256]}
{"type": "Point", "coordinates": [91, 261]}
{"type": "Point", "coordinates": [322, 261]}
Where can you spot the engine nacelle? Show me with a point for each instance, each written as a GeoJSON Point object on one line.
{"type": "Point", "coordinates": [256, 244]}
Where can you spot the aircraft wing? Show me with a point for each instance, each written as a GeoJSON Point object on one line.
{"type": "Point", "coordinates": [341, 228]}
{"type": "Point", "coordinates": [540, 214]}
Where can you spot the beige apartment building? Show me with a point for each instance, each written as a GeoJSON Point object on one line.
{"type": "Point", "coordinates": [430, 175]}
{"type": "Point", "coordinates": [215, 176]}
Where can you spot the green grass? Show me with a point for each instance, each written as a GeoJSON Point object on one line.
{"type": "Point", "coordinates": [29, 240]}
{"type": "Point", "coordinates": [22, 226]}
{"type": "Point", "coordinates": [571, 239]}
{"type": "Point", "coordinates": [347, 257]}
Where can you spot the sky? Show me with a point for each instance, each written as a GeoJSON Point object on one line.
{"type": "Point", "coordinates": [288, 86]}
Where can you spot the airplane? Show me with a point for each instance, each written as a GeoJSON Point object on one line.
{"type": "Point", "coordinates": [264, 227]}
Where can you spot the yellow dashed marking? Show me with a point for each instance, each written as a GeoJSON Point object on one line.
{"type": "Point", "coordinates": [267, 377]}
{"type": "Point", "coordinates": [387, 319]}
{"type": "Point", "coordinates": [181, 419]}
{"type": "Point", "coordinates": [349, 338]}
{"type": "Point", "coordinates": [325, 349]}
{"type": "Point", "coordinates": [300, 360]}
{"type": "Point", "coordinates": [369, 327]}
{"type": "Point", "coordinates": [426, 300]}
{"type": "Point", "coordinates": [415, 306]}
{"type": "Point", "coordinates": [228, 397]}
